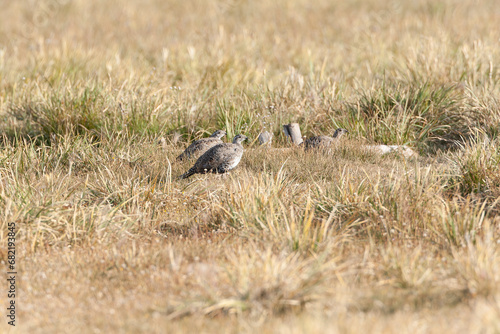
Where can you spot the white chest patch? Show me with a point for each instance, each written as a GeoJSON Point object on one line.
{"type": "Point", "coordinates": [235, 162]}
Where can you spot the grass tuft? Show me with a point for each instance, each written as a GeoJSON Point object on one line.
{"type": "Point", "coordinates": [97, 99]}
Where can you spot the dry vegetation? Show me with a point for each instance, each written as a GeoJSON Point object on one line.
{"type": "Point", "coordinates": [291, 242]}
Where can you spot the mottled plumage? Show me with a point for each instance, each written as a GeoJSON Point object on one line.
{"type": "Point", "coordinates": [265, 138]}
{"type": "Point", "coordinates": [219, 159]}
{"type": "Point", "coordinates": [200, 146]}
{"type": "Point", "coordinates": [324, 141]}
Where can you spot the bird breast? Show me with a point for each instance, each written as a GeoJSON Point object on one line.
{"type": "Point", "coordinates": [234, 162]}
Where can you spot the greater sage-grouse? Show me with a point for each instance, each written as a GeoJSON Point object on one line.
{"type": "Point", "coordinates": [200, 146]}
{"type": "Point", "coordinates": [219, 159]}
{"type": "Point", "coordinates": [324, 141]}
{"type": "Point", "coordinates": [265, 138]}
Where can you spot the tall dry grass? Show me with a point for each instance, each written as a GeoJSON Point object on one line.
{"type": "Point", "coordinates": [109, 240]}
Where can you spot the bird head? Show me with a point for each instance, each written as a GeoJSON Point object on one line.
{"type": "Point", "coordinates": [239, 138]}
{"type": "Point", "coordinates": [339, 133]}
{"type": "Point", "coordinates": [218, 134]}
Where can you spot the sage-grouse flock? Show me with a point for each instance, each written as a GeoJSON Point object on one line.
{"type": "Point", "coordinates": [215, 156]}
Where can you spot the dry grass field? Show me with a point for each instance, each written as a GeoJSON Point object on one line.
{"type": "Point", "coordinates": [109, 240]}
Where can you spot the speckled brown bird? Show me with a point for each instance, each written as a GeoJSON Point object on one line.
{"type": "Point", "coordinates": [200, 146]}
{"type": "Point", "coordinates": [265, 138]}
{"type": "Point", "coordinates": [324, 141]}
{"type": "Point", "coordinates": [219, 159]}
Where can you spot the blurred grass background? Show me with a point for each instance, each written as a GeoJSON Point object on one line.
{"type": "Point", "coordinates": [291, 241]}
